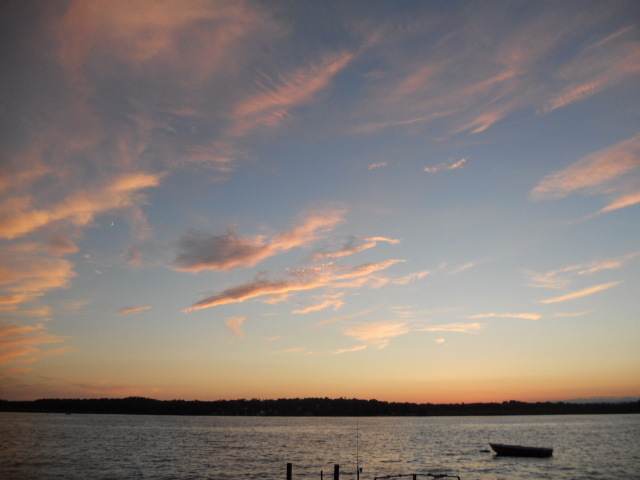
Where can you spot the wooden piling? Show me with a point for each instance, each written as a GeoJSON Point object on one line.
{"type": "Point", "coordinates": [289, 471]}
{"type": "Point", "coordinates": [336, 472]}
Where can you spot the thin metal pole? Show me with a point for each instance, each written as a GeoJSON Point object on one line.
{"type": "Point", "coordinates": [289, 471]}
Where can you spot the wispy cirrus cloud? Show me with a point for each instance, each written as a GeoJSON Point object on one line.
{"type": "Point", "coordinates": [354, 245]}
{"type": "Point", "coordinates": [198, 251]}
{"type": "Point", "coordinates": [581, 293]}
{"type": "Point", "coordinates": [278, 96]}
{"type": "Point", "coordinates": [131, 310]}
{"type": "Point", "coordinates": [234, 325]}
{"type": "Point", "coordinates": [27, 273]}
{"type": "Point", "coordinates": [345, 317]}
{"type": "Point", "coordinates": [377, 165]}
{"type": "Point", "coordinates": [599, 65]}
{"type": "Point", "coordinates": [359, 348]}
{"type": "Point", "coordinates": [19, 216]}
{"type": "Point", "coordinates": [450, 164]}
{"type": "Point", "coordinates": [524, 316]}
{"type": "Point", "coordinates": [377, 334]}
{"type": "Point", "coordinates": [456, 327]}
{"type": "Point", "coordinates": [564, 277]}
{"type": "Point", "coordinates": [333, 301]}
{"type": "Point", "coordinates": [502, 68]}
{"type": "Point", "coordinates": [24, 343]}
{"type": "Point", "coordinates": [296, 351]}
{"type": "Point", "coordinates": [611, 172]}
{"type": "Point", "coordinates": [298, 280]}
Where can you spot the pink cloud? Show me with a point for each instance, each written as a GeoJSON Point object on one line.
{"type": "Point", "coordinates": [581, 293]}
{"type": "Point", "coordinates": [278, 96]}
{"type": "Point", "coordinates": [130, 310]}
{"type": "Point", "coordinates": [18, 215]}
{"type": "Point", "coordinates": [355, 245]}
{"type": "Point", "coordinates": [299, 280]}
{"type": "Point", "coordinates": [199, 251]}
{"type": "Point", "coordinates": [456, 327]}
{"type": "Point", "coordinates": [450, 164]}
{"type": "Point", "coordinates": [23, 343]}
{"type": "Point", "coordinates": [524, 316]}
{"type": "Point", "coordinates": [25, 273]}
{"type": "Point", "coordinates": [377, 334]}
{"type": "Point", "coordinates": [234, 324]}
{"type": "Point", "coordinates": [593, 173]}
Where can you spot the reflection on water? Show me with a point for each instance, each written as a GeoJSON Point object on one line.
{"type": "Point", "coordinates": [41, 446]}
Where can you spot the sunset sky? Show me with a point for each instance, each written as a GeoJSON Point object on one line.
{"type": "Point", "coordinates": [421, 201]}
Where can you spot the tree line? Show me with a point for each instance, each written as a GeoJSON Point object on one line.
{"type": "Point", "coordinates": [308, 407]}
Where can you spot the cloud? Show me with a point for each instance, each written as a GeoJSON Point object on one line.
{"type": "Point", "coordinates": [297, 351]}
{"type": "Point", "coordinates": [600, 65]}
{"type": "Point", "coordinates": [377, 334]}
{"type": "Point", "coordinates": [355, 245]}
{"type": "Point", "coordinates": [26, 273]}
{"type": "Point", "coordinates": [563, 278]}
{"type": "Point", "coordinates": [359, 348]}
{"type": "Point", "coordinates": [199, 251]}
{"type": "Point", "coordinates": [130, 310]}
{"type": "Point", "coordinates": [345, 317]}
{"type": "Point", "coordinates": [377, 165]}
{"type": "Point", "coordinates": [18, 215]}
{"type": "Point", "coordinates": [298, 280]}
{"type": "Point", "coordinates": [334, 301]}
{"type": "Point", "coordinates": [525, 316]}
{"type": "Point", "coordinates": [410, 278]}
{"type": "Point", "coordinates": [450, 164]}
{"type": "Point", "coordinates": [464, 267]}
{"type": "Point", "coordinates": [573, 314]}
{"type": "Point", "coordinates": [455, 327]}
{"type": "Point", "coordinates": [505, 70]}
{"type": "Point", "coordinates": [609, 171]}
{"type": "Point", "coordinates": [581, 293]}
{"type": "Point", "coordinates": [23, 343]}
{"type": "Point", "coordinates": [234, 325]}
{"type": "Point", "coordinates": [270, 106]}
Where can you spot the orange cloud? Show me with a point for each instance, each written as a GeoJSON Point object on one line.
{"type": "Point", "coordinates": [456, 327]}
{"type": "Point", "coordinates": [19, 217]}
{"type": "Point", "coordinates": [21, 343]}
{"type": "Point", "coordinates": [334, 301]}
{"type": "Point", "coordinates": [593, 173]}
{"type": "Point", "coordinates": [347, 350]}
{"type": "Point", "coordinates": [271, 106]}
{"type": "Point", "coordinates": [298, 281]}
{"type": "Point", "coordinates": [355, 245]}
{"type": "Point", "coordinates": [377, 334]}
{"type": "Point", "coordinates": [234, 324]}
{"type": "Point", "coordinates": [130, 310]}
{"type": "Point", "coordinates": [199, 251]}
{"type": "Point", "coordinates": [562, 278]}
{"type": "Point", "coordinates": [581, 293]}
{"type": "Point", "coordinates": [525, 316]}
{"type": "Point", "coordinates": [448, 165]}
{"type": "Point", "coordinates": [25, 273]}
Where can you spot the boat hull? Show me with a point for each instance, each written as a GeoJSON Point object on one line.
{"type": "Point", "coordinates": [520, 451]}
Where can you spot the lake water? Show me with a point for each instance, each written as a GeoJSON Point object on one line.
{"type": "Point", "coordinates": [56, 446]}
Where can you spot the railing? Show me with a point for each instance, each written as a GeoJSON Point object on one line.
{"type": "Point", "coordinates": [414, 476]}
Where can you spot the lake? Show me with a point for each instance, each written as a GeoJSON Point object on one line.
{"type": "Point", "coordinates": [56, 446]}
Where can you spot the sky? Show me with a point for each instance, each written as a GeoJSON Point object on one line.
{"type": "Point", "coordinates": [415, 201]}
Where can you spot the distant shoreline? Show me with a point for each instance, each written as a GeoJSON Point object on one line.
{"type": "Point", "coordinates": [301, 407]}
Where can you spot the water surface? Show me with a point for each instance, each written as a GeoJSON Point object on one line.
{"type": "Point", "coordinates": [54, 446]}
